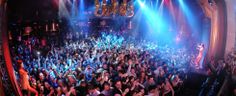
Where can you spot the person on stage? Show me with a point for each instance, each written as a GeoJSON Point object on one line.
{"type": "Point", "coordinates": [24, 81]}
{"type": "Point", "coordinates": [200, 48]}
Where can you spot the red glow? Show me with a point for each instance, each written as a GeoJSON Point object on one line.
{"type": "Point", "coordinates": [55, 3]}
{"type": "Point", "coordinates": [166, 1]}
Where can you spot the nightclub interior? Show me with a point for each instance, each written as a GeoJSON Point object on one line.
{"type": "Point", "coordinates": [117, 48]}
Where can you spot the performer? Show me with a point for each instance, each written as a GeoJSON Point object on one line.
{"type": "Point", "coordinates": [24, 81]}
{"type": "Point", "coordinates": [200, 48]}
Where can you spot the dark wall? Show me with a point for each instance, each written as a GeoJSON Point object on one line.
{"type": "Point", "coordinates": [32, 10]}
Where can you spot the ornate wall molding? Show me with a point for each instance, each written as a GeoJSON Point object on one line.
{"type": "Point", "coordinates": [231, 29]}
{"type": "Point", "coordinates": [9, 83]}
{"type": "Point", "coordinates": [5, 80]}
{"type": "Point", "coordinates": [216, 12]}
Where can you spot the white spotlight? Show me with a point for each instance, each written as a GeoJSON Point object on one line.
{"type": "Point", "coordinates": [141, 3]}
{"type": "Point", "coordinates": [38, 53]}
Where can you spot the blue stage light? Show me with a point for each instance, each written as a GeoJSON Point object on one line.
{"type": "Point", "coordinates": [141, 3]}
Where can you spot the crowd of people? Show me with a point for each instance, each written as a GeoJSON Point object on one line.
{"type": "Point", "coordinates": [219, 72]}
{"type": "Point", "coordinates": [231, 61]}
{"type": "Point", "coordinates": [231, 67]}
{"type": "Point", "coordinates": [105, 66]}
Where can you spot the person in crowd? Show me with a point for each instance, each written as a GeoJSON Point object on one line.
{"type": "Point", "coordinates": [107, 91]}
{"type": "Point", "coordinates": [153, 91]}
{"type": "Point", "coordinates": [199, 57]}
{"type": "Point", "coordinates": [24, 80]}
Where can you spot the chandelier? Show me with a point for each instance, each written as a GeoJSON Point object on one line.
{"type": "Point", "coordinates": [125, 9]}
